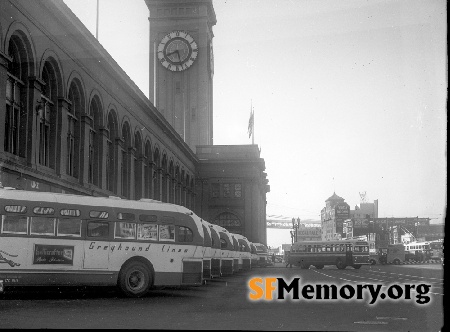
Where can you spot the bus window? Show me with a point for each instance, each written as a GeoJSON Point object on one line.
{"type": "Point", "coordinates": [148, 217]}
{"type": "Point", "coordinates": [185, 234]}
{"type": "Point", "coordinates": [125, 230]}
{"type": "Point", "coordinates": [99, 214]}
{"type": "Point", "coordinates": [147, 232]}
{"type": "Point", "coordinates": [167, 232]}
{"type": "Point", "coordinates": [98, 229]}
{"type": "Point", "coordinates": [223, 244]}
{"type": "Point", "coordinates": [42, 226]}
{"type": "Point", "coordinates": [125, 216]}
{"type": "Point", "coordinates": [14, 224]}
{"type": "Point", "coordinates": [69, 227]}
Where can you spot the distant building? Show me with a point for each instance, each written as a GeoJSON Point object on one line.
{"type": "Point", "coordinates": [386, 231]}
{"type": "Point", "coordinates": [365, 210]}
{"type": "Point", "coordinates": [332, 217]}
{"type": "Point", "coordinates": [309, 232]}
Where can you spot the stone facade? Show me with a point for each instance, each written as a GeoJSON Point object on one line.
{"type": "Point", "coordinates": [72, 121]}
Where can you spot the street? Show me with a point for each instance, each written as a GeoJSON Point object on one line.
{"type": "Point", "coordinates": [224, 304]}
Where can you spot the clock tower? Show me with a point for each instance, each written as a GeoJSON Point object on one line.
{"type": "Point", "coordinates": [182, 66]}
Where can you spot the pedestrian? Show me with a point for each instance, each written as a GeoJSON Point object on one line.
{"type": "Point", "coordinates": [287, 259]}
{"type": "Point", "coordinates": [273, 259]}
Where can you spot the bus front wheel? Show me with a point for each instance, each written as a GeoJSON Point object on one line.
{"type": "Point", "coordinates": [134, 279]}
{"type": "Point", "coordinates": [396, 261]}
{"type": "Point", "coordinates": [304, 266]}
{"type": "Point", "coordinates": [319, 266]}
{"type": "Point", "coordinates": [357, 266]}
{"type": "Point", "coordinates": [340, 265]}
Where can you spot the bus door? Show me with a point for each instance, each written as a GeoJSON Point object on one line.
{"type": "Point", "coordinates": [97, 245]}
{"type": "Point", "coordinates": [348, 254]}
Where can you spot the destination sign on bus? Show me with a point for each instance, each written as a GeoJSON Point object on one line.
{"type": "Point", "coordinates": [70, 212]}
{"type": "Point", "coordinates": [15, 208]}
{"type": "Point", "coordinates": [43, 210]}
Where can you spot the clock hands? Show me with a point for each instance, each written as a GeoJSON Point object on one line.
{"type": "Point", "coordinates": [177, 52]}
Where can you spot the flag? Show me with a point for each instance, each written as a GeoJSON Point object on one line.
{"type": "Point", "coordinates": [250, 124]}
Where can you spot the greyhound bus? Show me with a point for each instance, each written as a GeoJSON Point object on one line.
{"type": "Point", "coordinates": [254, 255]}
{"type": "Point", "coordinates": [341, 253]}
{"type": "Point", "coordinates": [207, 250]}
{"type": "Point", "coordinates": [227, 250]}
{"type": "Point", "coordinates": [245, 255]}
{"type": "Point", "coordinates": [60, 239]}
{"type": "Point", "coordinates": [216, 252]}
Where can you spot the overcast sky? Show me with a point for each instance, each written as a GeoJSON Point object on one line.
{"type": "Point", "coordinates": [349, 96]}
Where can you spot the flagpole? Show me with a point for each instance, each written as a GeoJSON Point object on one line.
{"type": "Point", "coordinates": [96, 31]}
{"type": "Point", "coordinates": [253, 125]}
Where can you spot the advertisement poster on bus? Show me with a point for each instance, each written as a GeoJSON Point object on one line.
{"type": "Point", "coordinates": [53, 254]}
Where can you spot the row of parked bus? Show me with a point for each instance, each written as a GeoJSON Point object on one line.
{"type": "Point", "coordinates": [60, 239]}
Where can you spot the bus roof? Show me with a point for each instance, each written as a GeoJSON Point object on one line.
{"type": "Point", "coordinates": [72, 199]}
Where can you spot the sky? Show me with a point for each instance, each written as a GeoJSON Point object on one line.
{"type": "Point", "coordinates": [349, 96]}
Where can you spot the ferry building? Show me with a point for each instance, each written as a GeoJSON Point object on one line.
{"type": "Point", "coordinates": [72, 121]}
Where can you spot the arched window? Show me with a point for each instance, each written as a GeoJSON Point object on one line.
{"type": "Point", "coordinates": [46, 117]}
{"type": "Point", "coordinates": [73, 130]}
{"type": "Point", "coordinates": [94, 148]}
{"type": "Point", "coordinates": [172, 182]}
{"type": "Point", "coordinates": [183, 188]}
{"type": "Point", "coordinates": [165, 179]}
{"type": "Point", "coordinates": [138, 166]}
{"type": "Point", "coordinates": [110, 168]}
{"type": "Point", "coordinates": [148, 176]}
{"type": "Point", "coordinates": [177, 197]}
{"type": "Point", "coordinates": [157, 175]}
{"type": "Point", "coordinates": [126, 161]}
{"type": "Point", "coordinates": [15, 98]}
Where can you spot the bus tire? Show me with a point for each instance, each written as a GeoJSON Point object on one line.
{"type": "Point", "coordinates": [304, 266]}
{"type": "Point", "coordinates": [373, 262]}
{"type": "Point", "coordinates": [340, 264]}
{"type": "Point", "coordinates": [135, 279]}
{"type": "Point", "coordinates": [357, 266]}
{"type": "Point", "coordinates": [396, 261]}
{"type": "Point", "coordinates": [319, 266]}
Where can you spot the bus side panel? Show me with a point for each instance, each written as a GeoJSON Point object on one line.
{"type": "Point", "coordinates": [42, 261]}
{"type": "Point", "coordinates": [168, 260]}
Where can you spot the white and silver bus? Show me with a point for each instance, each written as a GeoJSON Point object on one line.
{"type": "Point", "coordinates": [245, 255]}
{"type": "Point", "coordinates": [216, 252]}
{"type": "Point", "coordinates": [59, 239]}
{"type": "Point", "coordinates": [227, 250]}
{"type": "Point", "coordinates": [207, 250]}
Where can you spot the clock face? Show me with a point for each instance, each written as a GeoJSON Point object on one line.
{"type": "Point", "coordinates": [177, 51]}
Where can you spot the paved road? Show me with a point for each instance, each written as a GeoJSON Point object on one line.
{"type": "Point", "coordinates": [224, 304]}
